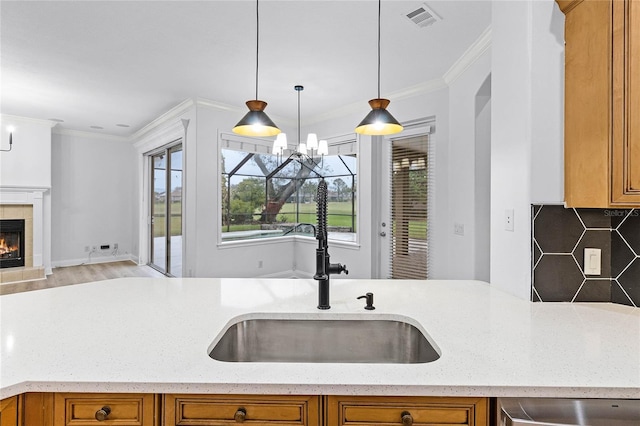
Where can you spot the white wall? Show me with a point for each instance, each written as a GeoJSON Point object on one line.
{"type": "Point", "coordinates": [526, 88]}
{"type": "Point", "coordinates": [93, 184]}
{"type": "Point", "coordinates": [28, 165]}
{"type": "Point", "coordinates": [482, 195]}
{"type": "Point", "coordinates": [461, 254]}
{"type": "Point", "coordinates": [547, 97]}
{"type": "Point", "coordinates": [29, 161]}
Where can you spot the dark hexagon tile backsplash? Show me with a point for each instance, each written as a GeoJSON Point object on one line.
{"type": "Point", "coordinates": [559, 237]}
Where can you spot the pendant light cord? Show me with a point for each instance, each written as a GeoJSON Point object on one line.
{"type": "Point", "coordinates": [379, 12]}
{"type": "Point", "coordinates": [258, 45]}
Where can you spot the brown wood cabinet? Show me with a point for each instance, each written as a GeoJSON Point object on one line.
{"type": "Point", "coordinates": [602, 103]}
{"type": "Point", "coordinates": [9, 412]}
{"type": "Point", "coordinates": [78, 409]}
{"type": "Point", "coordinates": [85, 409]}
{"type": "Point", "coordinates": [104, 409]}
{"type": "Point", "coordinates": [220, 410]}
{"type": "Point", "coordinates": [406, 411]}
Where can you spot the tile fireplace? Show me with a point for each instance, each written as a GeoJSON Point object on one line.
{"type": "Point", "coordinates": [12, 243]}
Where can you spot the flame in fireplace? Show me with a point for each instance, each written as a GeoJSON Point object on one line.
{"type": "Point", "coordinates": [6, 249]}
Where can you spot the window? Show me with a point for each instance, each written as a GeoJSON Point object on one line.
{"type": "Point", "coordinates": [410, 184]}
{"type": "Point", "coordinates": [265, 195]}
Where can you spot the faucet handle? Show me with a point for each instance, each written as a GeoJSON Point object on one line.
{"type": "Point", "coordinates": [337, 268]}
{"type": "Point", "coordinates": [369, 297]}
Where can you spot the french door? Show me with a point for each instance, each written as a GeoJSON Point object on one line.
{"type": "Point", "coordinates": [166, 210]}
{"type": "Point", "coordinates": [403, 230]}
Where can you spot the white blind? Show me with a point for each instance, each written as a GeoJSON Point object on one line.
{"type": "Point", "coordinates": [411, 180]}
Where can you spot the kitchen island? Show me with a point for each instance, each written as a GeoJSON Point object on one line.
{"type": "Point", "coordinates": [153, 335]}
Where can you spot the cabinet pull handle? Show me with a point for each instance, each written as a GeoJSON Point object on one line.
{"type": "Point", "coordinates": [240, 415]}
{"type": "Point", "coordinates": [101, 414]}
{"type": "Point", "coordinates": [407, 419]}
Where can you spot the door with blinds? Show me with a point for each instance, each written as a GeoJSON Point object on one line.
{"type": "Point", "coordinates": [408, 244]}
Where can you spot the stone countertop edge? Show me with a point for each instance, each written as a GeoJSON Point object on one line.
{"type": "Point", "coordinates": [151, 335]}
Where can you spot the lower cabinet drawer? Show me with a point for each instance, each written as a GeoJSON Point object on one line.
{"type": "Point", "coordinates": [77, 409]}
{"type": "Point", "coordinates": [206, 410]}
{"type": "Point", "coordinates": [406, 411]}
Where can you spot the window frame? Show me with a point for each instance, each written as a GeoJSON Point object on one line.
{"type": "Point", "coordinates": [347, 144]}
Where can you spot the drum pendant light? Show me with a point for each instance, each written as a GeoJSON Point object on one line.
{"type": "Point", "coordinates": [256, 122]}
{"type": "Point", "coordinates": [379, 121]}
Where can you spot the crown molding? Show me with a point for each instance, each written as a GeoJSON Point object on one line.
{"type": "Point", "coordinates": [208, 103]}
{"type": "Point", "coordinates": [27, 120]}
{"type": "Point", "coordinates": [172, 114]}
{"type": "Point", "coordinates": [469, 57]}
{"type": "Point", "coordinates": [88, 135]}
{"type": "Point", "coordinates": [356, 107]}
{"type": "Point", "coordinates": [240, 111]}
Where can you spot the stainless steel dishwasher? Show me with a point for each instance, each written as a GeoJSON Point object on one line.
{"type": "Point", "coordinates": [556, 412]}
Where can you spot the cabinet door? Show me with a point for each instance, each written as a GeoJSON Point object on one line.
{"type": "Point", "coordinates": [587, 131]}
{"type": "Point", "coordinates": [625, 184]}
{"type": "Point", "coordinates": [406, 411]}
{"type": "Point", "coordinates": [219, 410]}
{"type": "Point", "coordinates": [104, 409]}
{"type": "Point", "coordinates": [9, 412]}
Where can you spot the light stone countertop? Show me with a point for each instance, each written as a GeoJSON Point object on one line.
{"type": "Point", "coordinates": [153, 334]}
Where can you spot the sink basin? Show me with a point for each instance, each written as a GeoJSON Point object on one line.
{"type": "Point", "coordinates": [359, 340]}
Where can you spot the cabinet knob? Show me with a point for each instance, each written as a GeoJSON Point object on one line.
{"type": "Point", "coordinates": [240, 415]}
{"type": "Point", "coordinates": [407, 419]}
{"type": "Point", "coordinates": [101, 414]}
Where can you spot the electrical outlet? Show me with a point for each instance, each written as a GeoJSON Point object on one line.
{"type": "Point", "coordinates": [94, 248]}
{"type": "Point", "coordinates": [86, 249]}
{"type": "Point", "coordinates": [115, 246]}
{"type": "Point", "coordinates": [458, 229]}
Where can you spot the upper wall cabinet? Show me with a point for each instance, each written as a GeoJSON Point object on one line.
{"type": "Point", "coordinates": [602, 103]}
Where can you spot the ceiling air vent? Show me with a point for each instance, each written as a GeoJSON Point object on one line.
{"type": "Point", "coordinates": [423, 16]}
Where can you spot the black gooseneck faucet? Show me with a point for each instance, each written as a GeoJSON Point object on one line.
{"type": "Point", "coordinates": [323, 267]}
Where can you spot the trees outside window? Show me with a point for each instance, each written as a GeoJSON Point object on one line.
{"type": "Point", "coordinates": [266, 196]}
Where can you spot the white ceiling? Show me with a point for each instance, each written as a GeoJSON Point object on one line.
{"type": "Point", "coordinates": [103, 63]}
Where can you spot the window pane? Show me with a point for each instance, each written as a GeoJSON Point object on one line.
{"type": "Point", "coordinates": [265, 196]}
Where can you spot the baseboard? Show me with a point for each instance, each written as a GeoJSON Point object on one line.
{"type": "Point", "coordinates": [94, 260]}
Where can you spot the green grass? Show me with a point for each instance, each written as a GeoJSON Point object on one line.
{"type": "Point", "coordinates": [159, 219]}
{"type": "Point", "coordinates": [339, 213]}
{"type": "Point", "coordinates": [417, 229]}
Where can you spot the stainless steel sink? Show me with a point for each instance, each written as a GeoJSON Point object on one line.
{"type": "Point", "coordinates": [323, 341]}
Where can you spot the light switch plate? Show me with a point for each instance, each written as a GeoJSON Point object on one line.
{"type": "Point", "coordinates": [592, 261]}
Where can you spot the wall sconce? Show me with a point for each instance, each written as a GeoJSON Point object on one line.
{"type": "Point", "coordinates": [10, 129]}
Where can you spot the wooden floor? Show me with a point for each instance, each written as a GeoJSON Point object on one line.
{"type": "Point", "coordinates": [83, 274]}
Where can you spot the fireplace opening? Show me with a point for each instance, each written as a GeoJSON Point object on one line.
{"type": "Point", "coordinates": [12, 243]}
